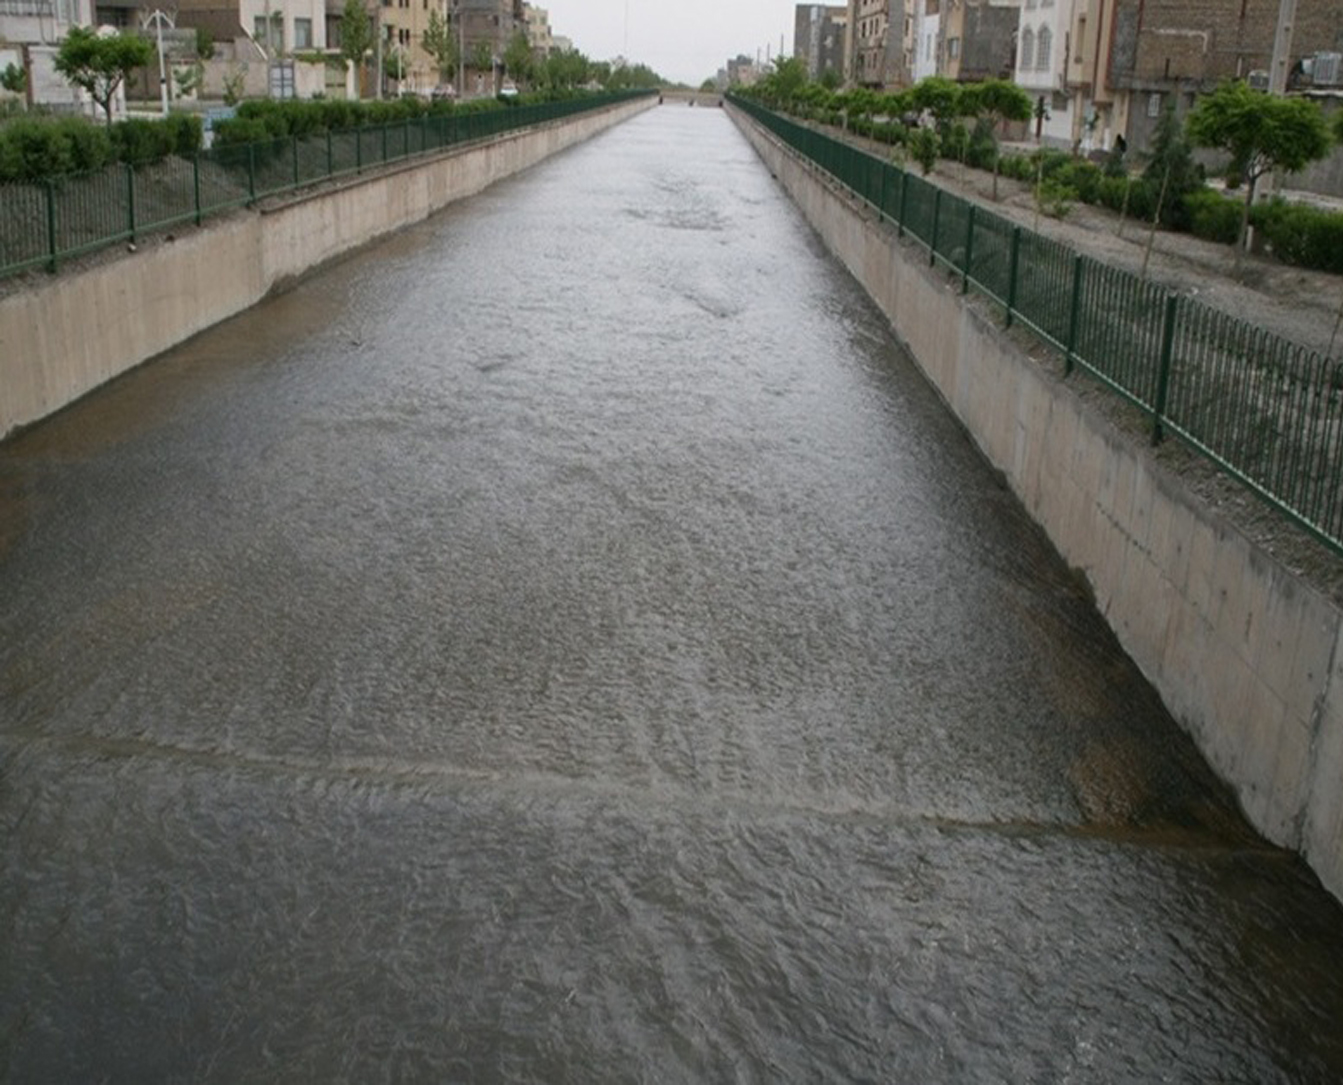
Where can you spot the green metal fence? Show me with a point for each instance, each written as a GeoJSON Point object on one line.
{"type": "Point", "coordinates": [43, 224]}
{"type": "Point", "coordinates": [1267, 411]}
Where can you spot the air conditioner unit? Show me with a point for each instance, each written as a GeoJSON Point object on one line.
{"type": "Point", "coordinates": [1326, 69]}
{"type": "Point", "coordinates": [1258, 79]}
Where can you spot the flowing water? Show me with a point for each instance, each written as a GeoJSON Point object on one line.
{"type": "Point", "coordinates": [569, 642]}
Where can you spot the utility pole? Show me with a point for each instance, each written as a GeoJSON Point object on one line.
{"type": "Point", "coordinates": [1278, 68]}
{"type": "Point", "coordinates": [1282, 48]}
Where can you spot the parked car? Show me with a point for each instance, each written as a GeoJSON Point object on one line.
{"type": "Point", "coordinates": [509, 89]}
{"type": "Point", "coordinates": [443, 92]}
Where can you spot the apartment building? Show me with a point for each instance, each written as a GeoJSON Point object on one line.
{"type": "Point", "coordinates": [820, 34]}
{"type": "Point", "coordinates": [867, 53]}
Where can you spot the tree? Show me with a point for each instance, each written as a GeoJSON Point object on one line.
{"type": "Point", "coordinates": [99, 65]}
{"type": "Point", "coordinates": [14, 79]}
{"type": "Point", "coordinates": [441, 43]}
{"type": "Point", "coordinates": [356, 35]}
{"type": "Point", "coordinates": [1000, 101]}
{"type": "Point", "coordinates": [1172, 170]}
{"type": "Point", "coordinates": [1260, 132]}
{"type": "Point", "coordinates": [518, 58]}
{"type": "Point", "coordinates": [938, 96]}
{"type": "Point", "coordinates": [482, 57]}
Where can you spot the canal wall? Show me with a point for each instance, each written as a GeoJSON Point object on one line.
{"type": "Point", "coordinates": [70, 334]}
{"type": "Point", "coordinates": [1244, 653]}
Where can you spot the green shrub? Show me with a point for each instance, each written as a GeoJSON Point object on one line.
{"type": "Point", "coordinates": [1305, 236]}
{"type": "Point", "coordinates": [983, 147]}
{"type": "Point", "coordinates": [1212, 216]}
{"type": "Point", "coordinates": [33, 149]}
{"type": "Point", "coordinates": [140, 142]}
{"type": "Point", "coordinates": [1134, 197]}
{"type": "Point", "coordinates": [186, 133]}
{"type": "Point", "coordinates": [1083, 177]}
{"type": "Point", "coordinates": [924, 145]}
{"type": "Point", "coordinates": [1055, 199]}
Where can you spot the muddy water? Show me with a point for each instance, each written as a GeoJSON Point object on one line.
{"type": "Point", "coordinates": [570, 643]}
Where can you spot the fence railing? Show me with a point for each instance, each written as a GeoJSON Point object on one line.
{"type": "Point", "coordinates": [43, 224]}
{"type": "Point", "coordinates": [1267, 411]}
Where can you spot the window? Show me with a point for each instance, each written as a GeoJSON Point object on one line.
{"type": "Point", "coordinates": [302, 33]}
{"type": "Point", "coordinates": [1154, 104]}
{"type": "Point", "coordinates": [274, 41]}
{"type": "Point", "coordinates": [1027, 49]}
{"type": "Point", "coordinates": [1044, 40]}
{"type": "Point", "coordinates": [953, 48]}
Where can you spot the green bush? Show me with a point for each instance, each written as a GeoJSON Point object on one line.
{"type": "Point", "coordinates": [186, 133]}
{"type": "Point", "coordinates": [34, 149]}
{"type": "Point", "coordinates": [1083, 177]}
{"type": "Point", "coordinates": [1056, 199]}
{"type": "Point", "coordinates": [1140, 194]}
{"type": "Point", "coordinates": [140, 142]}
{"type": "Point", "coordinates": [1301, 235]}
{"type": "Point", "coordinates": [1212, 216]}
{"type": "Point", "coordinates": [924, 145]}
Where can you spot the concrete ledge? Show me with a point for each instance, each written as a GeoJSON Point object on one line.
{"type": "Point", "coordinates": [1245, 655]}
{"type": "Point", "coordinates": [68, 335]}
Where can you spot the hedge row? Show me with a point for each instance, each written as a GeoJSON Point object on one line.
{"type": "Point", "coordinates": [1295, 234]}
{"type": "Point", "coordinates": [38, 148]}
{"type": "Point", "coordinates": [270, 119]}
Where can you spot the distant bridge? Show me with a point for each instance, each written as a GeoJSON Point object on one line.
{"type": "Point", "coordinates": [694, 97]}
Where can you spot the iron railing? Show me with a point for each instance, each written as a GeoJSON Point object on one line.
{"type": "Point", "coordinates": [1267, 411]}
{"type": "Point", "coordinates": [42, 224]}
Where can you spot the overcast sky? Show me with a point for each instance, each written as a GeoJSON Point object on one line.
{"type": "Point", "coordinates": [686, 41]}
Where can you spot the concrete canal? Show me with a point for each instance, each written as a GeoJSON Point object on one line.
{"type": "Point", "coordinates": [570, 642]}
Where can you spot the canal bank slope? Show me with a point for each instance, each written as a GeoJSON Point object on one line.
{"type": "Point", "coordinates": [64, 336]}
{"type": "Point", "coordinates": [1242, 648]}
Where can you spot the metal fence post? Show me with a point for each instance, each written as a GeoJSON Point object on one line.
{"type": "Point", "coordinates": [330, 159]}
{"type": "Point", "coordinates": [1074, 312]}
{"type": "Point", "coordinates": [1012, 276]}
{"type": "Point", "coordinates": [904, 189]}
{"type": "Point", "coordinates": [969, 249]}
{"type": "Point", "coordinates": [358, 148]}
{"type": "Point", "coordinates": [384, 144]}
{"type": "Point", "coordinates": [196, 184]}
{"type": "Point", "coordinates": [294, 153]}
{"type": "Point", "coordinates": [51, 224]}
{"type": "Point", "coordinates": [130, 200]}
{"type": "Point", "coordinates": [937, 214]}
{"type": "Point", "coordinates": [251, 173]}
{"type": "Point", "coordinates": [1163, 372]}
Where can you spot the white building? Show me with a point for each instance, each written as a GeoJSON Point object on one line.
{"type": "Point", "coordinates": [30, 34]}
{"type": "Point", "coordinates": [1043, 36]}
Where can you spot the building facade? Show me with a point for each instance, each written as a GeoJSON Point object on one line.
{"type": "Point", "coordinates": [819, 38]}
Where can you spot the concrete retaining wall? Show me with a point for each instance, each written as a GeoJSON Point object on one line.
{"type": "Point", "coordinates": [66, 336]}
{"type": "Point", "coordinates": [1244, 654]}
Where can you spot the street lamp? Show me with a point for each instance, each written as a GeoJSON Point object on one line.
{"type": "Point", "coordinates": [158, 18]}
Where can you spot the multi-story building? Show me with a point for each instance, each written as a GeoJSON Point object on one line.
{"type": "Point", "coordinates": [30, 33]}
{"type": "Point", "coordinates": [867, 57]}
{"type": "Point", "coordinates": [819, 33]}
{"type": "Point", "coordinates": [978, 40]}
{"type": "Point", "coordinates": [484, 28]}
{"type": "Point", "coordinates": [1167, 51]}
{"type": "Point", "coordinates": [538, 30]}
{"type": "Point", "coordinates": [1047, 68]}
{"type": "Point", "coordinates": [927, 38]}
